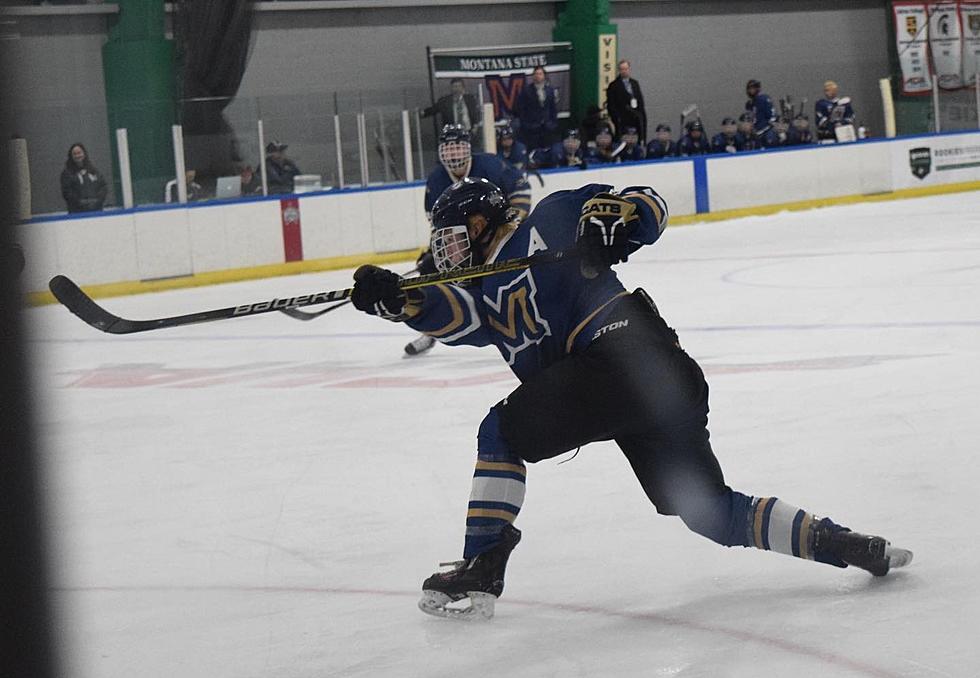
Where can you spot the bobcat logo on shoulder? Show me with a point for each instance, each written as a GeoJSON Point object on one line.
{"type": "Point", "coordinates": [515, 315]}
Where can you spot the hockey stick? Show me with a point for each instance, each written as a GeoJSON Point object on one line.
{"type": "Point", "coordinates": [79, 303]}
{"type": "Point", "coordinates": [303, 315]}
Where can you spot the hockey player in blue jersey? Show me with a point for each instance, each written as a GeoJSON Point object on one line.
{"type": "Point", "coordinates": [694, 142]}
{"type": "Point", "coordinates": [662, 145]}
{"type": "Point", "coordinates": [601, 151]}
{"type": "Point", "coordinates": [728, 139]}
{"type": "Point", "coordinates": [509, 149]}
{"type": "Point", "coordinates": [799, 133]}
{"type": "Point", "coordinates": [632, 148]}
{"type": "Point", "coordinates": [746, 131]}
{"type": "Point", "coordinates": [595, 363]}
{"type": "Point", "coordinates": [457, 161]}
{"type": "Point", "coordinates": [832, 111]}
{"type": "Point", "coordinates": [760, 106]}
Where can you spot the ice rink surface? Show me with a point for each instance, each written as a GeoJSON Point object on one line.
{"type": "Point", "coordinates": [262, 497]}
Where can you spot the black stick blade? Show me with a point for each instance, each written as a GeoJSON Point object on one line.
{"type": "Point", "coordinates": [79, 303]}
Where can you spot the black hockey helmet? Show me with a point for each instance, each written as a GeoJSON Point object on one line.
{"type": "Point", "coordinates": [746, 117]}
{"type": "Point", "coordinates": [453, 235]}
{"type": "Point", "coordinates": [505, 131]}
{"type": "Point", "coordinates": [728, 120]}
{"type": "Point", "coordinates": [454, 147]}
{"type": "Point", "coordinates": [753, 84]}
{"type": "Point", "coordinates": [663, 127]}
{"type": "Point", "coordinates": [728, 125]}
{"type": "Point", "coordinates": [694, 125]}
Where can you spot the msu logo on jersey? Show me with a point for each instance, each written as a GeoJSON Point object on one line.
{"type": "Point", "coordinates": [514, 314]}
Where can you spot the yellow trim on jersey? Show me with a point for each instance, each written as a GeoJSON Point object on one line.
{"type": "Point", "coordinates": [588, 319]}
{"type": "Point", "coordinates": [457, 310]}
{"type": "Point", "coordinates": [657, 211]}
{"type": "Point", "coordinates": [501, 466]}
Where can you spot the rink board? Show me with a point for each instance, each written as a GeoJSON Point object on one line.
{"type": "Point", "coordinates": [237, 236]}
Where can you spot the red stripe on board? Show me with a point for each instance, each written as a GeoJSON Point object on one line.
{"type": "Point", "coordinates": [292, 236]}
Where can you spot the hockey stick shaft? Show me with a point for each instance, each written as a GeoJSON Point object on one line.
{"type": "Point", "coordinates": [304, 315]}
{"type": "Point", "coordinates": [79, 303]}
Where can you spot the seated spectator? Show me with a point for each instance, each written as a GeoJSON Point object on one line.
{"type": "Point", "coordinates": [537, 111]}
{"type": "Point", "coordinates": [728, 139]}
{"type": "Point", "coordinates": [251, 181]}
{"type": "Point", "coordinates": [832, 112]}
{"type": "Point", "coordinates": [800, 134]}
{"type": "Point", "coordinates": [282, 170]}
{"type": "Point", "coordinates": [82, 186]}
{"type": "Point", "coordinates": [602, 151]}
{"type": "Point", "coordinates": [662, 146]}
{"type": "Point", "coordinates": [194, 190]}
{"type": "Point", "coordinates": [746, 130]}
{"type": "Point", "coordinates": [694, 142]}
{"type": "Point", "coordinates": [632, 149]}
{"type": "Point", "coordinates": [511, 151]}
{"type": "Point", "coordinates": [570, 154]}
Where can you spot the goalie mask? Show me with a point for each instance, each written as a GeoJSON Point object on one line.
{"type": "Point", "coordinates": [454, 149]}
{"type": "Point", "coordinates": [465, 219]}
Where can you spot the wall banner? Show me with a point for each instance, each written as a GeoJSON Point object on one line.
{"type": "Point", "coordinates": [912, 38]}
{"type": "Point", "coordinates": [498, 74]}
{"type": "Point", "coordinates": [945, 44]}
{"type": "Point", "coordinates": [970, 28]}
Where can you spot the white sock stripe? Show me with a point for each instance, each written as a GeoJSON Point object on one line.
{"type": "Point", "coordinates": [781, 527]}
{"type": "Point", "coordinates": [498, 489]}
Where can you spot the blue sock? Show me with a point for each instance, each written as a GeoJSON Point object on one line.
{"type": "Point", "coordinates": [498, 489]}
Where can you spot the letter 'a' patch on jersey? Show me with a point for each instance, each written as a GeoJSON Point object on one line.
{"type": "Point", "coordinates": [515, 315]}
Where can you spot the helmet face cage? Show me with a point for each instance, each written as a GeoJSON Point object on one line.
{"type": "Point", "coordinates": [454, 155]}
{"type": "Point", "coordinates": [451, 248]}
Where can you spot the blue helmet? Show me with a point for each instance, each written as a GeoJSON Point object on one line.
{"type": "Point", "coordinates": [452, 243]}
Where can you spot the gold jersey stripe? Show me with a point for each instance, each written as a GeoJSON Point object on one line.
{"type": "Point", "coordinates": [760, 510]}
{"type": "Point", "coordinates": [457, 310]}
{"type": "Point", "coordinates": [501, 466]}
{"type": "Point", "coordinates": [492, 513]}
{"type": "Point", "coordinates": [588, 319]}
{"type": "Point", "coordinates": [657, 210]}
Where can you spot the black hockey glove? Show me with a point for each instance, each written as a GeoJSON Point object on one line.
{"type": "Point", "coordinates": [376, 292]}
{"type": "Point", "coordinates": [426, 263]}
{"type": "Point", "coordinates": [604, 231]}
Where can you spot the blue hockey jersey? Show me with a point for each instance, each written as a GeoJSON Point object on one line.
{"type": "Point", "coordinates": [509, 180]}
{"type": "Point", "coordinates": [516, 157]}
{"type": "Point", "coordinates": [538, 315]}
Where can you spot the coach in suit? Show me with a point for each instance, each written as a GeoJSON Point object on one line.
{"type": "Point", "coordinates": [456, 108]}
{"type": "Point", "coordinates": [624, 100]}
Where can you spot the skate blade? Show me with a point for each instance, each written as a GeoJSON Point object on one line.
{"type": "Point", "coordinates": [897, 557]}
{"type": "Point", "coordinates": [481, 607]}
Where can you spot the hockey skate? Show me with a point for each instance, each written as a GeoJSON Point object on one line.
{"type": "Point", "coordinates": [420, 345]}
{"type": "Point", "coordinates": [874, 554]}
{"type": "Point", "coordinates": [480, 579]}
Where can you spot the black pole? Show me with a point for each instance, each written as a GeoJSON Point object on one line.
{"type": "Point", "coordinates": [26, 646]}
{"type": "Point", "coordinates": [432, 92]}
